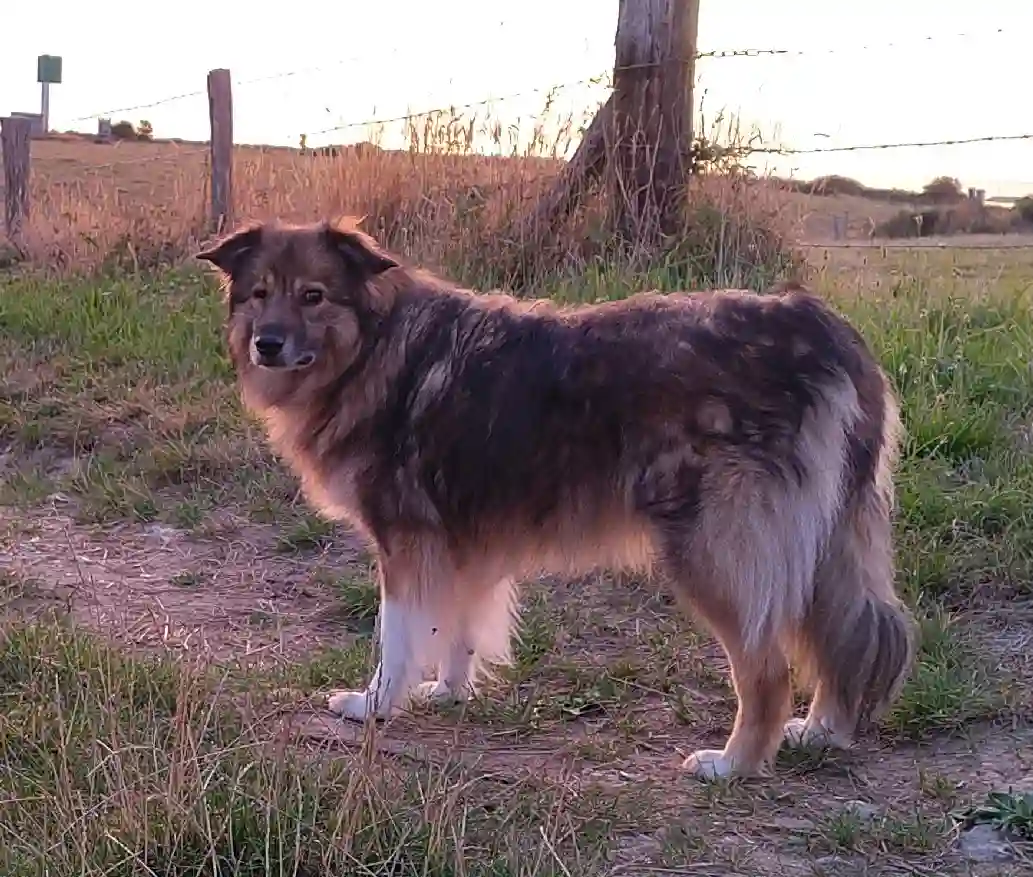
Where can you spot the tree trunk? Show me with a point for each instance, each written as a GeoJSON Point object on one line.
{"type": "Point", "coordinates": [641, 137]}
{"type": "Point", "coordinates": [651, 135]}
{"type": "Point", "coordinates": [577, 176]}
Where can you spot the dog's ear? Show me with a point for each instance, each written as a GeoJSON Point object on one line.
{"type": "Point", "coordinates": [228, 255]}
{"type": "Point", "coordinates": [360, 251]}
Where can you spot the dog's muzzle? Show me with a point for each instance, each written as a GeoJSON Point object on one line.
{"type": "Point", "coordinates": [271, 350]}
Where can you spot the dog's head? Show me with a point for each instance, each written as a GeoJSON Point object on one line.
{"type": "Point", "coordinates": [300, 296]}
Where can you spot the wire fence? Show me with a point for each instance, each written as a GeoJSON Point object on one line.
{"type": "Point", "coordinates": [603, 78]}
{"type": "Point", "coordinates": [717, 54]}
{"type": "Point", "coordinates": [174, 152]}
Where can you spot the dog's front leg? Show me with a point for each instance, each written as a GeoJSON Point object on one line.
{"type": "Point", "coordinates": [404, 626]}
{"type": "Point", "coordinates": [478, 637]}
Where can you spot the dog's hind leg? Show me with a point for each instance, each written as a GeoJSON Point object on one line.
{"type": "Point", "coordinates": [741, 558]}
{"type": "Point", "coordinates": [760, 675]}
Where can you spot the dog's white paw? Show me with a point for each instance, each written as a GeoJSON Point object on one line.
{"type": "Point", "coordinates": [438, 693]}
{"type": "Point", "coordinates": [354, 705]}
{"type": "Point", "coordinates": [710, 764]}
{"type": "Point", "coordinates": [809, 734]}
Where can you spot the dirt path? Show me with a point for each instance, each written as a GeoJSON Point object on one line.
{"type": "Point", "coordinates": [159, 587]}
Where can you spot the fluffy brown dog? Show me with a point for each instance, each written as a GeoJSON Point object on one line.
{"type": "Point", "coordinates": [741, 444]}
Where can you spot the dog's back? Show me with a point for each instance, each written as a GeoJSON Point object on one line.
{"type": "Point", "coordinates": [505, 413]}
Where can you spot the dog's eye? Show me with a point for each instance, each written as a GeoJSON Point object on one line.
{"type": "Point", "coordinates": [259, 292]}
{"type": "Point", "coordinates": [312, 295]}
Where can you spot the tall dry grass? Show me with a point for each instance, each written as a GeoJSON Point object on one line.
{"type": "Point", "coordinates": [442, 202]}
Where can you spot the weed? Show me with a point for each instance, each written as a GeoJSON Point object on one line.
{"type": "Point", "coordinates": [439, 202]}
{"type": "Point", "coordinates": [1010, 811]}
{"type": "Point", "coordinates": [359, 596]}
{"type": "Point", "coordinates": [307, 534]}
{"type": "Point", "coordinates": [951, 684]}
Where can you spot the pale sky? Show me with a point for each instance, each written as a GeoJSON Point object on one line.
{"type": "Point", "coordinates": [882, 71]}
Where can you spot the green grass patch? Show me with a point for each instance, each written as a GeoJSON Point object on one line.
{"type": "Point", "coordinates": [117, 393]}
{"type": "Point", "coordinates": [951, 684]}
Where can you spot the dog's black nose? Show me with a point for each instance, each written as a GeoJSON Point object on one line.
{"type": "Point", "coordinates": [269, 345]}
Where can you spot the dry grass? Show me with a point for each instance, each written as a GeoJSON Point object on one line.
{"type": "Point", "coordinates": [139, 205]}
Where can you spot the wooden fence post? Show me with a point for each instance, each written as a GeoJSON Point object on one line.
{"type": "Point", "coordinates": [220, 109]}
{"type": "Point", "coordinates": [640, 141]}
{"type": "Point", "coordinates": [16, 137]}
{"type": "Point", "coordinates": [653, 108]}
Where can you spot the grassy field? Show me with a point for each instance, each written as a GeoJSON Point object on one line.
{"type": "Point", "coordinates": [171, 613]}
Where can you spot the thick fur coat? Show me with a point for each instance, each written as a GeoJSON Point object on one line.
{"type": "Point", "coordinates": [740, 445]}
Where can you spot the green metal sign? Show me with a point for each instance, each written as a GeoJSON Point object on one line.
{"type": "Point", "coordinates": [48, 69]}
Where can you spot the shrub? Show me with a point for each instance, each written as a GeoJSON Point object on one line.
{"type": "Point", "coordinates": [909, 224]}
{"type": "Point", "coordinates": [965, 217]}
{"type": "Point", "coordinates": [834, 184]}
{"type": "Point", "coordinates": [1024, 209]}
{"type": "Point", "coordinates": [943, 189]}
{"type": "Point", "coordinates": [123, 130]}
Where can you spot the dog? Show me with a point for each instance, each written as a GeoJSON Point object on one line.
{"type": "Point", "coordinates": [740, 445]}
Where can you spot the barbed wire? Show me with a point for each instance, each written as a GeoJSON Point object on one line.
{"type": "Point", "coordinates": [176, 155]}
{"type": "Point", "coordinates": [469, 105]}
{"type": "Point", "coordinates": [761, 150]}
{"type": "Point", "coordinates": [597, 80]}
{"type": "Point", "coordinates": [147, 106]}
{"type": "Point", "coordinates": [203, 92]}
{"type": "Point", "coordinates": [810, 52]}
{"type": "Point", "coordinates": [862, 147]}
{"type": "Point", "coordinates": [711, 55]}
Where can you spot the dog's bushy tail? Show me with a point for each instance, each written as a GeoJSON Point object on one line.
{"type": "Point", "coordinates": [857, 636]}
